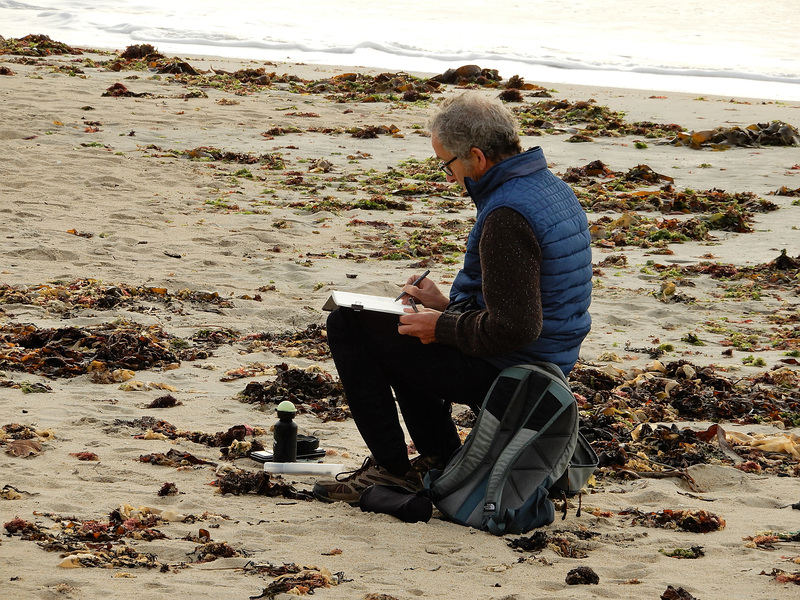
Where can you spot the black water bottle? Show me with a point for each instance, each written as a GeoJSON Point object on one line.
{"type": "Point", "coordinates": [284, 448]}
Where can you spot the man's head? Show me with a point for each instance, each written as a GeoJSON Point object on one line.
{"type": "Point", "coordinates": [475, 132]}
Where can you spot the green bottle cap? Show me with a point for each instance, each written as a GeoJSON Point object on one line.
{"type": "Point", "coordinates": [286, 406]}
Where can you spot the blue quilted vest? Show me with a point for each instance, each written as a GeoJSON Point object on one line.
{"type": "Point", "coordinates": [524, 183]}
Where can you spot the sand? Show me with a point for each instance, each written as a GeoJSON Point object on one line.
{"type": "Point", "coordinates": [110, 194]}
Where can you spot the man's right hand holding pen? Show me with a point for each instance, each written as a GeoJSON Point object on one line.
{"type": "Point", "coordinates": [422, 324]}
{"type": "Point", "coordinates": [425, 292]}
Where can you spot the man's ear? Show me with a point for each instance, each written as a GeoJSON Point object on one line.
{"type": "Point", "coordinates": [480, 161]}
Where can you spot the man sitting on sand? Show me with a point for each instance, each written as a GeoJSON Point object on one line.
{"type": "Point", "coordinates": [522, 295]}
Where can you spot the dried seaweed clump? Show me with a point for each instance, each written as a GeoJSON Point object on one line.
{"type": "Point", "coordinates": [776, 133]}
{"type": "Point", "coordinates": [304, 582]}
{"type": "Point", "coordinates": [168, 489]}
{"type": "Point", "coordinates": [564, 543]}
{"type": "Point", "coordinates": [139, 51]}
{"type": "Point", "coordinates": [311, 342]}
{"type": "Point", "coordinates": [593, 119]}
{"type": "Point", "coordinates": [310, 392]}
{"type": "Point", "coordinates": [599, 188]}
{"type": "Point", "coordinates": [617, 409]}
{"type": "Point", "coordinates": [209, 153]}
{"type": "Point", "coordinates": [680, 389]}
{"type": "Point", "coordinates": [95, 295]}
{"type": "Point", "coordinates": [782, 270]}
{"type": "Point", "coordinates": [71, 351]}
{"type": "Point", "coordinates": [35, 45]}
{"type": "Point", "coordinates": [360, 87]}
{"type": "Point", "coordinates": [673, 593]}
{"type": "Point", "coordinates": [232, 442]}
{"type": "Point", "coordinates": [582, 576]}
{"type": "Point", "coordinates": [173, 458]}
{"type": "Point", "coordinates": [240, 481]}
{"type": "Point", "coordinates": [781, 576]}
{"type": "Point", "coordinates": [90, 543]}
{"type": "Point", "coordinates": [103, 544]}
{"type": "Point", "coordinates": [470, 74]}
{"type": "Point", "coordinates": [694, 521]}
{"type": "Point", "coordinates": [24, 440]}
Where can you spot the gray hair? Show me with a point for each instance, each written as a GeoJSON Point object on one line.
{"type": "Point", "coordinates": [472, 120]}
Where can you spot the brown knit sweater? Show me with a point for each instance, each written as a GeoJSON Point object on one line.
{"type": "Point", "coordinates": [510, 265]}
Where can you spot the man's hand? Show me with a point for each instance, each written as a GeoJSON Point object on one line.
{"type": "Point", "coordinates": [427, 293]}
{"type": "Point", "coordinates": [421, 325]}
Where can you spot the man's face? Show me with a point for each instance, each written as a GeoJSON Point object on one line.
{"type": "Point", "coordinates": [460, 167]}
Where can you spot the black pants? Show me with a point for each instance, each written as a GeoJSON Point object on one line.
{"type": "Point", "coordinates": [373, 360]}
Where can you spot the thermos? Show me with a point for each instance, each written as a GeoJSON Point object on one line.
{"type": "Point", "coordinates": [284, 448]}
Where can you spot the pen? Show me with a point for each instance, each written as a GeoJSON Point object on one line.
{"type": "Point", "coordinates": [417, 281]}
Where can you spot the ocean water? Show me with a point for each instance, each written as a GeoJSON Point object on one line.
{"type": "Point", "coordinates": [745, 48]}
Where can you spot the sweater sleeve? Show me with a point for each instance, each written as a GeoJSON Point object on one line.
{"type": "Point", "coordinates": [510, 266]}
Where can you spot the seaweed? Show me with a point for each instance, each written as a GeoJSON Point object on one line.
{"type": "Point", "coordinates": [673, 593]}
{"type": "Point", "coordinates": [533, 543]}
{"type": "Point", "coordinates": [600, 188]}
{"type": "Point", "coordinates": [768, 539]}
{"type": "Point", "coordinates": [304, 582]}
{"type": "Point", "coordinates": [694, 521]}
{"type": "Point", "coordinates": [72, 351]}
{"type": "Point", "coordinates": [36, 45]}
{"type": "Point", "coordinates": [776, 133]}
{"type": "Point", "coordinates": [173, 458]}
{"type": "Point", "coordinates": [118, 90]}
{"type": "Point", "coordinates": [93, 294]}
{"type": "Point", "coordinates": [231, 442]}
{"type": "Point", "coordinates": [691, 553]}
{"type": "Point", "coordinates": [781, 576]}
{"type": "Point", "coordinates": [311, 343]}
{"type": "Point", "coordinates": [360, 87]}
{"type": "Point", "coordinates": [582, 576]}
{"type": "Point", "coordinates": [311, 392]}
{"type": "Point", "coordinates": [89, 456]}
{"type": "Point", "coordinates": [166, 401]}
{"type": "Point", "coordinates": [240, 481]}
{"type": "Point", "coordinates": [785, 191]}
{"type": "Point", "coordinates": [556, 115]}
{"type": "Point", "coordinates": [564, 543]}
{"type": "Point", "coordinates": [433, 243]}
{"type": "Point", "coordinates": [782, 270]}
{"type": "Point", "coordinates": [103, 544]}
{"type": "Point", "coordinates": [138, 51]}
{"type": "Point", "coordinates": [211, 551]}
{"type": "Point", "coordinates": [168, 489]}
{"type": "Point", "coordinates": [617, 410]}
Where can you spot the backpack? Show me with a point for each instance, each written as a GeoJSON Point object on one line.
{"type": "Point", "coordinates": [525, 442]}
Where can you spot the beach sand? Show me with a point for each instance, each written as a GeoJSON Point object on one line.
{"type": "Point", "coordinates": [118, 221]}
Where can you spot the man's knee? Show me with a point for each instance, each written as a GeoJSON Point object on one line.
{"type": "Point", "coordinates": [334, 319]}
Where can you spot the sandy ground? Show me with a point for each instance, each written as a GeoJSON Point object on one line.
{"type": "Point", "coordinates": [114, 190]}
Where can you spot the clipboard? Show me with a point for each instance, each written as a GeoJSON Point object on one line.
{"type": "Point", "coordinates": [364, 302]}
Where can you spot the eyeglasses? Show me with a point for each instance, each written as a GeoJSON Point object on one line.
{"type": "Point", "coordinates": [445, 166]}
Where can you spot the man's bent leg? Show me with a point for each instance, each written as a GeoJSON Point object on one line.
{"type": "Point", "coordinates": [426, 404]}
{"type": "Point", "coordinates": [356, 340]}
{"type": "Point", "coordinates": [372, 358]}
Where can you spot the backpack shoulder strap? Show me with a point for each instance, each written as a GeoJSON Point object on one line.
{"type": "Point", "coordinates": [503, 403]}
{"type": "Point", "coordinates": [547, 407]}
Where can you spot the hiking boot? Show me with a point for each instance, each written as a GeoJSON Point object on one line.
{"type": "Point", "coordinates": [348, 486]}
{"type": "Point", "coordinates": [422, 464]}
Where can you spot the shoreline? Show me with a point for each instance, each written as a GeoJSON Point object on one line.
{"type": "Point", "coordinates": [742, 86]}
{"type": "Point", "coordinates": [126, 215]}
